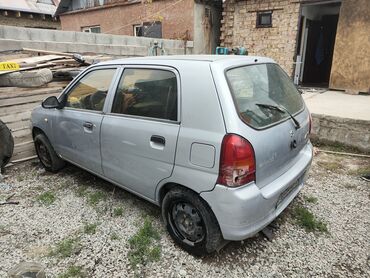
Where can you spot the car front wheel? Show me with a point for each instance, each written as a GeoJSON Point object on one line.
{"type": "Point", "coordinates": [45, 152]}
{"type": "Point", "coordinates": [190, 222]}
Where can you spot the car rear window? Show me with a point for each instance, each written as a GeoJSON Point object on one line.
{"type": "Point", "coordinates": [265, 84]}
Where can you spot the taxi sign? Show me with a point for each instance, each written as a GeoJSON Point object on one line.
{"type": "Point", "coordinates": [9, 66]}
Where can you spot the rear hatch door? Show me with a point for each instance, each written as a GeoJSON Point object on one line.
{"type": "Point", "coordinates": [269, 112]}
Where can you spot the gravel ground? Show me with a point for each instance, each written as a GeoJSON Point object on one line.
{"type": "Point", "coordinates": [32, 230]}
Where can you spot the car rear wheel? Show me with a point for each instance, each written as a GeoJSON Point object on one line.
{"type": "Point", "coordinates": [45, 152]}
{"type": "Point", "coordinates": [190, 222]}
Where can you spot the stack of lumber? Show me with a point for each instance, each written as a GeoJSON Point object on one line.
{"type": "Point", "coordinates": [16, 104]}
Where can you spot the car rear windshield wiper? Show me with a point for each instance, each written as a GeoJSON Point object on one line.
{"type": "Point", "coordinates": [282, 110]}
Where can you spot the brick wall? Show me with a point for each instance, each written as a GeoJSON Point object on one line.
{"type": "Point", "coordinates": [278, 42]}
{"type": "Point", "coordinates": [177, 18]}
{"type": "Point", "coordinates": [35, 22]}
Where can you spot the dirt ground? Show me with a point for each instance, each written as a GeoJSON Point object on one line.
{"type": "Point", "coordinates": [77, 225]}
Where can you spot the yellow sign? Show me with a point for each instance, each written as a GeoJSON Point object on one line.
{"type": "Point", "coordinates": [9, 66]}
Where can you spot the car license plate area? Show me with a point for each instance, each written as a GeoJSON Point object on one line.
{"type": "Point", "coordinates": [289, 190]}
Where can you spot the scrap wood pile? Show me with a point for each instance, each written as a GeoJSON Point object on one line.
{"type": "Point", "coordinates": [26, 78]}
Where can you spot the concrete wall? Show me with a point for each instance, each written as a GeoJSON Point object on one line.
{"type": "Point", "coordinates": [278, 42]}
{"type": "Point", "coordinates": [176, 16]}
{"type": "Point", "coordinates": [206, 29]}
{"type": "Point", "coordinates": [351, 62]}
{"type": "Point", "coordinates": [12, 38]}
{"type": "Point", "coordinates": [349, 132]}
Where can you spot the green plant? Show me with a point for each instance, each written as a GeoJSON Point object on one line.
{"type": "Point", "coordinates": [73, 271]}
{"type": "Point", "coordinates": [95, 197]}
{"type": "Point", "coordinates": [310, 199]}
{"type": "Point", "coordinates": [81, 190]}
{"type": "Point", "coordinates": [142, 244]}
{"type": "Point", "coordinates": [361, 170]}
{"type": "Point", "coordinates": [46, 198]}
{"type": "Point", "coordinates": [114, 236]}
{"type": "Point", "coordinates": [330, 165]}
{"type": "Point", "coordinates": [90, 228]}
{"type": "Point", "coordinates": [308, 221]}
{"type": "Point", "coordinates": [118, 212]}
{"type": "Point", "coordinates": [66, 248]}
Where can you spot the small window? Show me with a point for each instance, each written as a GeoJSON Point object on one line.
{"type": "Point", "coordinates": [138, 30]}
{"type": "Point", "coordinates": [147, 93]}
{"type": "Point", "coordinates": [264, 19]}
{"type": "Point", "coordinates": [91, 29]}
{"type": "Point", "coordinates": [148, 29]}
{"type": "Point", "coordinates": [90, 92]}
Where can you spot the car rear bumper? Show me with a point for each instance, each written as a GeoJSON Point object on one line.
{"type": "Point", "coordinates": [244, 211]}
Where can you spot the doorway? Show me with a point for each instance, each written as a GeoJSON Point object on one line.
{"type": "Point", "coordinates": [315, 46]}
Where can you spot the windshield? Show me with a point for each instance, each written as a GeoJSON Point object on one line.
{"type": "Point", "coordinates": [265, 84]}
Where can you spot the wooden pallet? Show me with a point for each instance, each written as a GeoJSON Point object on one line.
{"type": "Point", "coordinates": [16, 105]}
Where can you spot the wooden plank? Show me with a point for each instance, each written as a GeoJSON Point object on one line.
{"type": "Point", "coordinates": [21, 133]}
{"type": "Point", "coordinates": [38, 59]}
{"type": "Point", "coordinates": [19, 125]}
{"type": "Point", "coordinates": [8, 91]}
{"type": "Point", "coordinates": [24, 100]}
{"type": "Point", "coordinates": [47, 52]}
{"type": "Point", "coordinates": [28, 68]}
{"type": "Point", "coordinates": [18, 108]}
{"type": "Point", "coordinates": [17, 117]}
{"type": "Point", "coordinates": [21, 160]}
{"type": "Point", "coordinates": [23, 139]}
{"type": "Point", "coordinates": [44, 92]}
{"type": "Point", "coordinates": [18, 155]}
{"type": "Point", "coordinates": [12, 56]}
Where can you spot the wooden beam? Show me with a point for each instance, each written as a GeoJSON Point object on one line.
{"type": "Point", "coordinates": [47, 52]}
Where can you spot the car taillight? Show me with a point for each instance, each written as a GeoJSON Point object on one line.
{"type": "Point", "coordinates": [237, 162]}
{"type": "Point", "coordinates": [310, 123]}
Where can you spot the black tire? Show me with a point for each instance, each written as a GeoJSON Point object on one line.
{"type": "Point", "coordinates": [6, 145]}
{"type": "Point", "coordinates": [190, 222]}
{"type": "Point", "coordinates": [45, 152]}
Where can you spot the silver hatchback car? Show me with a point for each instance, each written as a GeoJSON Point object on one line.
{"type": "Point", "coordinates": [221, 143]}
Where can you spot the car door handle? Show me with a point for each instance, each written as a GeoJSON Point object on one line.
{"type": "Point", "coordinates": [158, 139]}
{"type": "Point", "coordinates": [88, 125]}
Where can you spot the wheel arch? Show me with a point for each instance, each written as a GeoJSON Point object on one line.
{"type": "Point", "coordinates": [36, 130]}
{"type": "Point", "coordinates": [165, 188]}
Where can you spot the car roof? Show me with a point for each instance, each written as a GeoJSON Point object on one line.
{"type": "Point", "coordinates": [173, 59]}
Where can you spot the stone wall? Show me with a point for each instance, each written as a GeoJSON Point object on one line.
{"type": "Point", "coordinates": [35, 22]}
{"type": "Point", "coordinates": [349, 132]}
{"type": "Point", "coordinates": [277, 42]}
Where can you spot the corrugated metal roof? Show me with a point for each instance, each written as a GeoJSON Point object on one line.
{"type": "Point", "coordinates": [30, 6]}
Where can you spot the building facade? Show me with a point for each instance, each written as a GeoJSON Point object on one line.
{"type": "Point", "coordinates": [319, 43]}
{"type": "Point", "coordinates": [29, 13]}
{"type": "Point", "coordinates": [187, 20]}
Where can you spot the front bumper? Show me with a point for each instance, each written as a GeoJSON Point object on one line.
{"type": "Point", "coordinates": [242, 212]}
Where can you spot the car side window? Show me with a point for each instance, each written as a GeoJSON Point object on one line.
{"type": "Point", "coordinates": [147, 93]}
{"type": "Point", "coordinates": [90, 92]}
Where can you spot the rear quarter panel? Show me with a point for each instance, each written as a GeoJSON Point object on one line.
{"type": "Point", "coordinates": [201, 132]}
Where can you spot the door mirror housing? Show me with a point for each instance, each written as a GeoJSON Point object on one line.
{"type": "Point", "coordinates": [51, 102]}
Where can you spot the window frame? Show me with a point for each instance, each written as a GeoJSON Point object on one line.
{"type": "Point", "coordinates": [259, 17]}
{"type": "Point", "coordinates": [143, 118]}
{"type": "Point", "coordinates": [136, 32]}
{"type": "Point", "coordinates": [87, 29]}
{"type": "Point", "coordinates": [62, 97]}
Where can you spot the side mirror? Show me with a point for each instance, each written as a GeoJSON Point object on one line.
{"type": "Point", "coordinates": [51, 102]}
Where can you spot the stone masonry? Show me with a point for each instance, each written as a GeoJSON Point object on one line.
{"type": "Point", "coordinates": [277, 42]}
